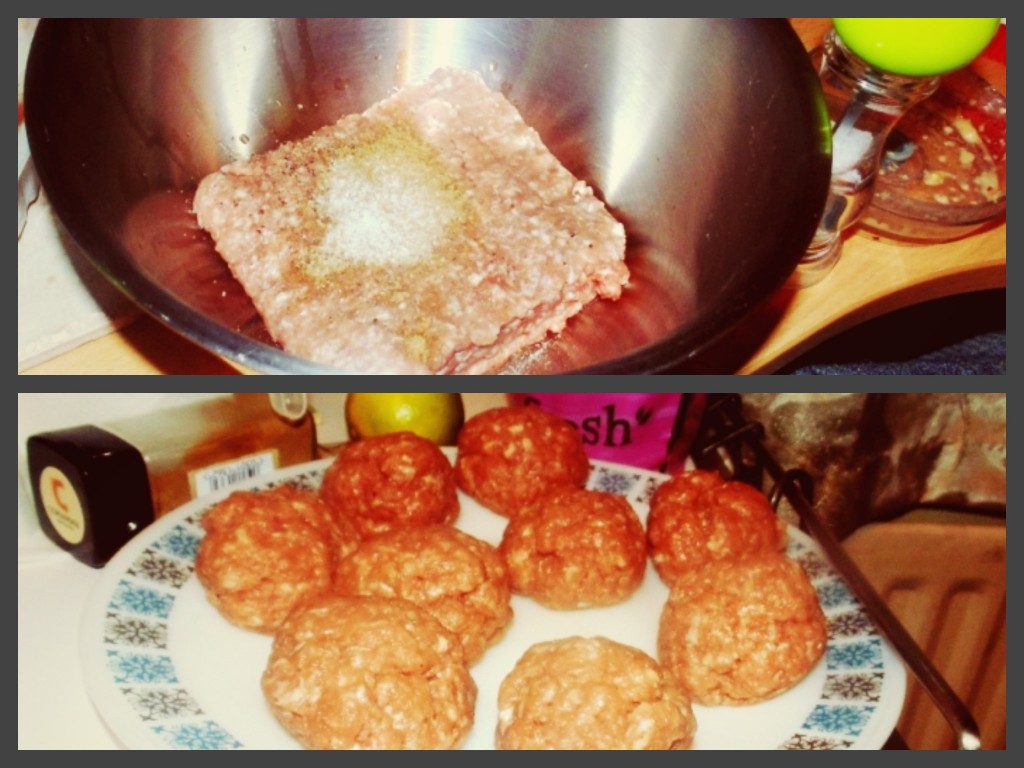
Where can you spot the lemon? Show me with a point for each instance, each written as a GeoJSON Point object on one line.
{"type": "Point", "coordinates": [437, 416]}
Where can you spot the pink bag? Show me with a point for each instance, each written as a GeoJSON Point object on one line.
{"type": "Point", "coordinates": [652, 431]}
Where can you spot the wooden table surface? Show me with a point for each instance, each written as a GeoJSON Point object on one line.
{"type": "Point", "coordinates": [875, 276]}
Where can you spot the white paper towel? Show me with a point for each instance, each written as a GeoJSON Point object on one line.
{"type": "Point", "coordinates": [63, 300]}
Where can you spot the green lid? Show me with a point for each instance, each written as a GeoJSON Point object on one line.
{"type": "Point", "coordinates": [917, 47]}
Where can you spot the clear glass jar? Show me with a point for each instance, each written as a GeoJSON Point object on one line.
{"type": "Point", "coordinates": [864, 105]}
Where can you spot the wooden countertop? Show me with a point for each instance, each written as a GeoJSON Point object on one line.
{"type": "Point", "coordinates": [875, 276]}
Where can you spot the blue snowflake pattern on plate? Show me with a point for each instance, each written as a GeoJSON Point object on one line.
{"type": "Point", "coordinates": [134, 668]}
{"type": "Point", "coordinates": [205, 735]}
{"type": "Point", "coordinates": [833, 594]}
{"type": "Point", "coordinates": [853, 660]}
{"type": "Point", "coordinates": [843, 719]}
{"type": "Point", "coordinates": [136, 619]}
{"type": "Point", "coordinates": [612, 480]}
{"type": "Point", "coordinates": [858, 655]}
{"type": "Point", "coordinates": [181, 542]}
{"type": "Point", "coordinates": [133, 598]}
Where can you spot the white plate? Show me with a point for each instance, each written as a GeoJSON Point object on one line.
{"type": "Point", "coordinates": [165, 670]}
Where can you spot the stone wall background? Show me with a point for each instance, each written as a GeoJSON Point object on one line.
{"type": "Point", "coordinates": [876, 456]}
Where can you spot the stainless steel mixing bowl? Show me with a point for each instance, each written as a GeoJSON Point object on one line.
{"type": "Point", "coordinates": [706, 137]}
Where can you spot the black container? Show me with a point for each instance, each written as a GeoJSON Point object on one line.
{"type": "Point", "coordinates": [91, 490]}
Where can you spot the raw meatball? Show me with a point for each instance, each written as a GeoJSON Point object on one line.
{"type": "Point", "coordinates": [591, 693]}
{"type": "Point", "coordinates": [578, 548]}
{"type": "Point", "coordinates": [461, 580]}
{"type": "Point", "coordinates": [510, 458]}
{"type": "Point", "coordinates": [266, 551]}
{"type": "Point", "coordinates": [697, 517]}
{"type": "Point", "coordinates": [369, 673]}
{"type": "Point", "coordinates": [391, 481]}
{"type": "Point", "coordinates": [739, 631]}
